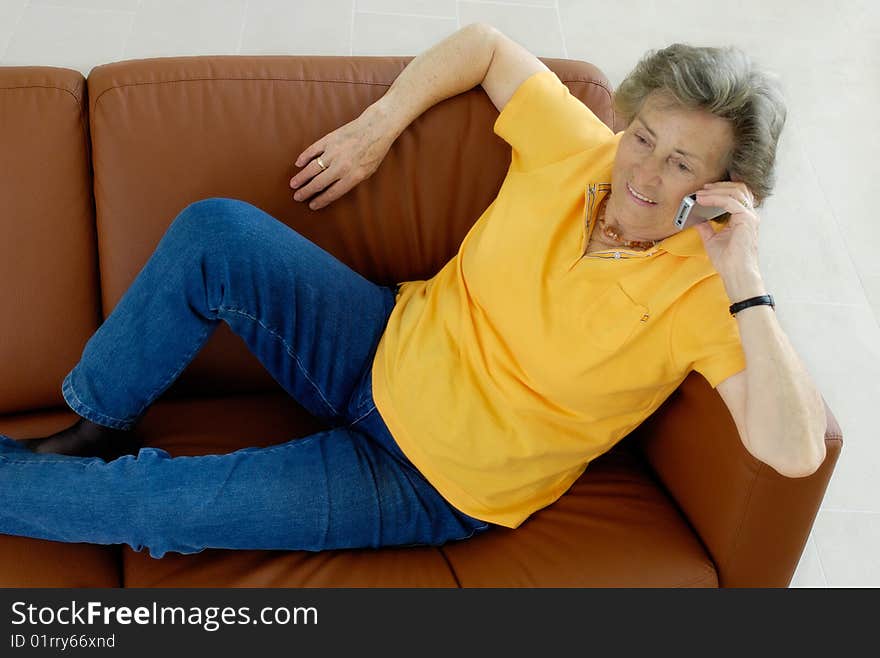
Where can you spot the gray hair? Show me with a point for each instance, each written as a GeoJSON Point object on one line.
{"type": "Point", "coordinates": [725, 82]}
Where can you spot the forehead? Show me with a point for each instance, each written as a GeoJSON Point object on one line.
{"type": "Point", "coordinates": [696, 131]}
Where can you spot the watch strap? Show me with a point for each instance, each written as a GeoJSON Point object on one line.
{"type": "Point", "coordinates": [752, 301]}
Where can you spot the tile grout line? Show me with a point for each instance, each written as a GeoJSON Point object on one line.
{"type": "Point", "coordinates": [512, 4]}
{"type": "Point", "coordinates": [90, 10]}
{"type": "Point", "coordinates": [243, 26]}
{"type": "Point", "coordinates": [561, 31]}
{"type": "Point", "coordinates": [819, 559]}
{"type": "Point", "coordinates": [398, 13]}
{"type": "Point", "coordinates": [12, 33]}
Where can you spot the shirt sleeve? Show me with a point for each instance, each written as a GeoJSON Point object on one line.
{"type": "Point", "coordinates": [544, 123]}
{"type": "Point", "coordinates": [705, 337]}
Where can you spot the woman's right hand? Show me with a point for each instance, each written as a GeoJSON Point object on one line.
{"type": "Point", "coordinates": [351, 154]}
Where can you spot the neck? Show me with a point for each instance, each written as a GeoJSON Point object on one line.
{"type": "Point", "coordinates": [612, 232]}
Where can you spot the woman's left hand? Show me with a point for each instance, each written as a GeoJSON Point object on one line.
{"type": "Point", "coordinates": [734, 249]}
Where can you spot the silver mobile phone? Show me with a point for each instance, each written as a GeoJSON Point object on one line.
{"type": "Point", "coordinates": [690, 213]}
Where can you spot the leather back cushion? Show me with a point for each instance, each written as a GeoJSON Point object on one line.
{"type": "Point", "coordinates": [48, 272]}
{"type": "Point", "coordinates": [170, 131]}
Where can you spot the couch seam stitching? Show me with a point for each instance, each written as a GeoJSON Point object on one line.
{"type": "Point", "coordinates": [745, 513]}
{"type": "Point", "coordinates": [215, 79]}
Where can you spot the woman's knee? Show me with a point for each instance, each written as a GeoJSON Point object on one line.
{"type": "Point", "coordinates": [212, 225]}
{"type": "Point", "coordinates": [212, 215]}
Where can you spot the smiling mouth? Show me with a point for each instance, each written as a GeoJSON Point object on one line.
{"type": "Point", "coordinates": [639, 198]}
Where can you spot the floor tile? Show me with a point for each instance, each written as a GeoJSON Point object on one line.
{"type": "Point", "coordinates": [848, 544]}
{"type": "Point", "coordinates": [533, 3]}
{"type": "Point", "coordinates": [871, 283]}
{"type": "Point", "coordinates": [78, 39]}
{"type": "Point", "coordinates": [105, 5]}
{"type": "Point", "coordinates": [834, 339]}
{"type": "Point", "coordinates": [615, 51]}
{"type": "Point", "coordinates": [198, 27]}
{"type": "Point", "coordinates": [802, 252]}
{"type": "Point", "coordinates": [387, 34]}
{"type": "Point", "coordinates": [433, 8]}
{"type": "Point", "coordinates": [311, 27]}
{"type": "Point", "coordinates": [809, 571]}
{"type": "Point", "coordinates": [534, 26]}
{"type": "Point", "coordinates": [846, 163]}
{"type": "Point", "coordinates": [715, 23]}
{"type": "Point", "coordinates": [11, 12]}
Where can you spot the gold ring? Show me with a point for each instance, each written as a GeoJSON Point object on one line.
{"type": "Point", "coordinates": [321, 164]}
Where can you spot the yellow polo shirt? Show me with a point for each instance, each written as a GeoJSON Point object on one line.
{"type": "Point", "coordinates": [520, 361]}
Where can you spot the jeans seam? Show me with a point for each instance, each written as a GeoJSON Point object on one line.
{"type": "Point", "coordinates": [292, 443]}
{"type": "Point", "coordinates": [47, 460]}
{"type": "Point", "coordinates": [363, 415]}
{"type": "Point", "coordinates": [473, 531]}
{"type": "Point", "coordinates": [289, 351]}
{"type": "Point", "coordinates": [450, 539]}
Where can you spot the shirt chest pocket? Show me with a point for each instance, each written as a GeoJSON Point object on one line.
{"type": "Point", "coordinates": [612, 319]}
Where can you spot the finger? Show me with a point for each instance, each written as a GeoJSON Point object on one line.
{"type": "Point", "coordinates": [736, 195]}
{"type": "Point", "coordinates": [725, 201]}
{"type": "Point", "coordinates": [741, 188]}
{"type": "Point", "coordinates": [315, 185]}
{"type": "Point", "coordinates": [311, 152]}
{"type": "Point", "coordinates": [332, 193]}
{"type": "Point", "coordinates": [305, 159]}
{"type": "Point", "coordinates": [303, 177]}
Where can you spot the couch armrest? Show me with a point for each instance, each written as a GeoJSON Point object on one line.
{"type": "Point", "coordinates": [753, 521]}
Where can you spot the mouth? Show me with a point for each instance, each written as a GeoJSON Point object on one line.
{"type": "Point", "coordinates": [638, 198]}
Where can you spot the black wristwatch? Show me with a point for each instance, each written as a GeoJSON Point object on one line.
{"type": "Point", "coordinates": [753, 301]}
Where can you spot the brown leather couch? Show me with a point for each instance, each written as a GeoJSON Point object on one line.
{"type": "Point", "coordinates": [93, 171]}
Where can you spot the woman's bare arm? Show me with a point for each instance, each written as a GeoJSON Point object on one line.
{"type": "Point", "coordinates": [353, 152]}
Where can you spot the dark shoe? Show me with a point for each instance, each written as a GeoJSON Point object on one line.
{"type": "Point", "coordinates": [87, 439]}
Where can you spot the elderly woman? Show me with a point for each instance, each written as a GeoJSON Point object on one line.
{"type": "Point", "coordinates": [571, 311]}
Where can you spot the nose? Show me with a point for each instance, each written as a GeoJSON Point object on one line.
{"type": "Point", "coordinates": [647, 173]}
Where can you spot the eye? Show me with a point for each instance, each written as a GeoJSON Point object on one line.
{"type": "Point", "coordinates": [641, 139]}
{"type": "Point", "coordinates": [683, 168]}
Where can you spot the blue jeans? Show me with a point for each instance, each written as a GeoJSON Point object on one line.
{"type": "Point", "coordinates": [314, 323]}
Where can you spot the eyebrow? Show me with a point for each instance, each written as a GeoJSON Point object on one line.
{"type": "Point", "coordinates": [654, 135]}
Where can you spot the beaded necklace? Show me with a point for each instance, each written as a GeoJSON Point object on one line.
{"type": "Point", "coordinates": [613, 232]}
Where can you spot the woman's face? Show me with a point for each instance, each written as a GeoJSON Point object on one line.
{"type": "Point", "coordinates": [665, 154]}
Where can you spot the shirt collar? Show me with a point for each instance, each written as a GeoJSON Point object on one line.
{"type": "Point", "coordinates": [682, 243]}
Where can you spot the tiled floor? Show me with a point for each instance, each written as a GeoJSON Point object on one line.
{"type": "Point", "coordinates": [817, 235]}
